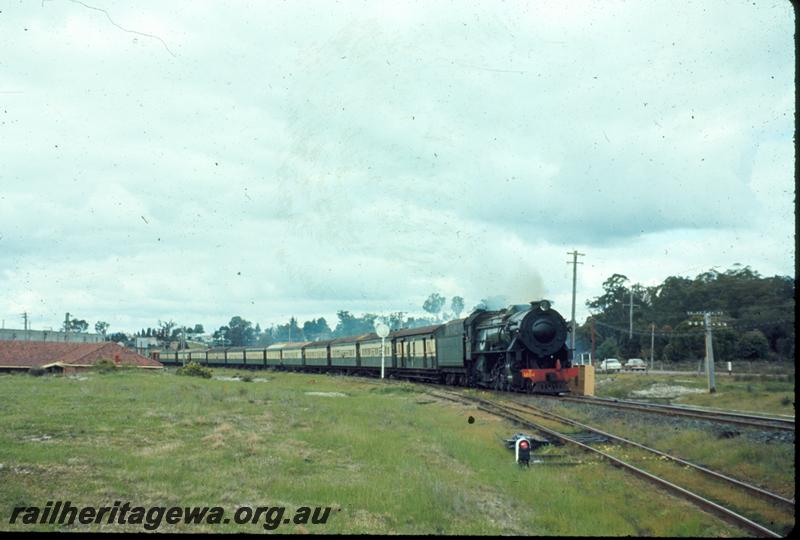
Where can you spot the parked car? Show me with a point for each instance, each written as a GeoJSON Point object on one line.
{"type": "Point", "coordinates": [610, 365]}
{"type": "Point", "coordinates": [635, 364]}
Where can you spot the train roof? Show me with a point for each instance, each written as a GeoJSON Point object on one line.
{"type": "Point", "coordinates": [369, 337]}
{"type": "Point", "coordinates": [348, 339]}
{"type": "Point", "coordinates": [318, 344]}
{"type": "Point", "coordinates": [296, 344]}
{"type": "Point", "coordinates": [415, 331]}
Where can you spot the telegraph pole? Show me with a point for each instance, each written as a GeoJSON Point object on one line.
{"type": "Point", "coordinates": [66, 327]}
{"type": "Point", "coordinates": [574, 262]}
{"type": "Point", "coordinates": [25, 323]}
{"type": "Point", "coordinates": [630, 316]}
{"type": "Point", "coordinates": [652, 343]}
{"type": "Point", "coordinates": [707, 324]}
{"type": "Point", "coordinates": [592, 358]}
{"type": "Point", "coordinates": [712, 384]}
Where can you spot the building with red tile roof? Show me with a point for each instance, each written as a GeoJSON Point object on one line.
{"type": "Point", "coordinates": [68, 357]}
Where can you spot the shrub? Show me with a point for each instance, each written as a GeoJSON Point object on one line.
{"type": "Point", "coordinates": [193, 369]}
{"type": "Point", "coordinates": [247, 378]}
{"type": "Point", "coordinates": [104, 365]}
{"type": "Point", "coordinates": [752, 345]}
{"type": "Point", "coordinates": [36, 371]}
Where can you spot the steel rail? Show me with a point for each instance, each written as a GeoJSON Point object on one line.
{"type": "Point", "coordinates": [700, 501]}
{"type": "Point", "coordinates": [788, 419]}
{"type": "Point", "coordinates": [774, 497]}
{"type": "Point", "coordinates": [713, 416]}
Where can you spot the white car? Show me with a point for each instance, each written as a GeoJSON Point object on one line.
{"type": "Point", "coordinates": [635, 364]}
{"type": "Point", "coordinates": [610, 364]}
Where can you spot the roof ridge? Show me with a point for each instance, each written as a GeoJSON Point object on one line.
{"type": "Point", "coordinates": [89, 350]}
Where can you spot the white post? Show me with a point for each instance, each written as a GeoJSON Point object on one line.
{"type": "Point", "coordinates": [383, 354]}
{"type": "Point", "coordinates": [712, 386]}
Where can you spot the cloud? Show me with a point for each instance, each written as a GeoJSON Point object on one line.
{"type": "Point", "coordinates": [296, 159]}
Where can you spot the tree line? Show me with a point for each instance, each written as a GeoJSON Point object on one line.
{"type": "Point", "coordinates": [756, 319]}
{"type": "Point", "coordinates": [240, 332]}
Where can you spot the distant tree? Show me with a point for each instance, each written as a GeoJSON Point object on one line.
{"type": "Point", "coordinates": [687, 343]}
{"type": "Point", "coordinates": [457, 305]}
{"type": "Point", "coordinates": [238, 333]}
{"type": "Point", "coordinates": [746, 298]}
{"type": "Point", "coordinates": [350, 325]}
{"type": "Point", "coordinates": [220, 336]}
{"type": "Point", "coordinates": [265, 338]}
{"type": "Point", "coordinates": [396, 320]}
{"type": "Point", "coordinates": [434, 304]}
{"type": "Point", "coordinates": [608, 349]}
{"type": "Point", "coordinates": [417, 322]}
{"type": "Point", "coordinates": [80, 325]}
{"type": "Point", "coordinates": [752, 345]}
{"type": "Point", "coordinates": [101, 327]}
{"type": "Point", "coordinates": [290, 331]}
{"type": "Point", "coordinates": [75, 325]}
{"type": "Point", "coordinates": [165, 329]}
{"type": "Point", "coordinates": [119, 337]}
{"type": "Point", "coordinates": [198, 329]}
{"type": "Point", "coordinates": [315, 330]}
{"type": "Point", "coordinates": [347, 324]}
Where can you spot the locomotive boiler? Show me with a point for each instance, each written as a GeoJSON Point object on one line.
{"type": "Point", "coordinates": [522, 347]}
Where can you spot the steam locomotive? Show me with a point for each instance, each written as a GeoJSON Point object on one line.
{"type": "Point", "coordinates": [520, 348]}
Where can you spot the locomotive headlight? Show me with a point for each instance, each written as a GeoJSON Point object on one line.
{"type": "Point", "coordinates": [544, 305]}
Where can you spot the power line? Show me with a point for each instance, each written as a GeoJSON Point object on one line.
{"type": "Point", "coordinates": [732, 325]}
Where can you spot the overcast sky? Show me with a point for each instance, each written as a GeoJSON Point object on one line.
{"type": "Point", "coordinates": [198, 160]}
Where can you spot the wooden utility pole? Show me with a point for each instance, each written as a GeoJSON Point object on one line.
{"type": "Point", "coordinates": [574, 262]}
{"type": "Point", "coordinates": [652, 343]}
{"type": "Point", "coordinates": [592, 358]}
{"type": "Point", "coordinates": [712, 383]}
{"type": "Point", "coordinates": [707, 323]}
{"type": "Point", "coordinates": [630, 315]}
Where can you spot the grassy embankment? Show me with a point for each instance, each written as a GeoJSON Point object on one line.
{"type": "Point", "coordinates": [762, 458]}
{"type": "Point", "coordinates": [747, 454]}
{"type": "Point", "coordinates": [744, 392]}
{"type": "Point", "coordinates": [386, 459]}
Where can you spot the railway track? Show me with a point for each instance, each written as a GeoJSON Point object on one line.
{"type": "Point", "coordinates": [713, 415]}
{"type": "Point", "coordinates": [515, 411]}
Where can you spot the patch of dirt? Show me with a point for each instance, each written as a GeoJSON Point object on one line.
{"type": "Point", "coordinates": [164, 448]}
{"type": "Point", "coordinates": [240, 379]}
{"type": "Point", "coordinates": [661, 390]}
{"type": "Point", "coordinates": [38, 438]}
{"type": "Point", "coordinates": [326, 394]}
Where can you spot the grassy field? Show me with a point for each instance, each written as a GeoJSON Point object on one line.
{"type": "Point", "coordinates": [744, 453]}
{"type": "Point", "coordinates": [736, 392]}
{"type": "Point", "coordinates": [385, 458]}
